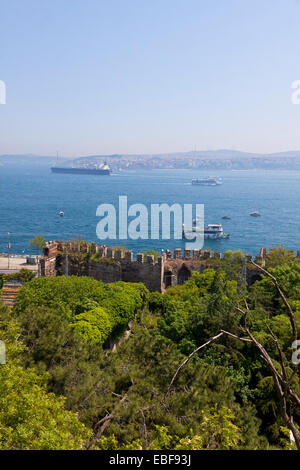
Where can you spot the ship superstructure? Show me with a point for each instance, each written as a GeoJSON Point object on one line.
{"type": "Point", "coordinates": [212, 231]}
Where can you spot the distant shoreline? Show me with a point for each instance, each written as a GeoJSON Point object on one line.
{"type": "Point", "coordinates": [193, 160]}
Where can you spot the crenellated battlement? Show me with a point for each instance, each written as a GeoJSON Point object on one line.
{"type": "Point", "coordinates": [54, 248]}
{"type": "Point", "coordinates": [110, 264]}
{"type": "Point", "coordinates": [104, 263]}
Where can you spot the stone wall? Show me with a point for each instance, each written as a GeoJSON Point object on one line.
{"type": "Point", "coordinates": [149, 273]}
{"type": "Point", "coordinates": [102, 263]}
{"type": "Point", "coordinates": [108, 264]}
{"type": "Point", "coordinates": [48, 267]}
{"type": "Point", "coordinates": [105, 272]}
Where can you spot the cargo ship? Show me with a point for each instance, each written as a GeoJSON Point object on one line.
{"type": "Point", "coordinates": [102, 169]}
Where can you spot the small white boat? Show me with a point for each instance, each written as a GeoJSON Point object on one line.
{"type": "Point", "coordinates": [255, 214]}
{"type": "Point", "coordinates": [61, 213]}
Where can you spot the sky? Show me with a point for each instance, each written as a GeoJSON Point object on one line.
{"type": "Point", "coordinates": [139, 76]}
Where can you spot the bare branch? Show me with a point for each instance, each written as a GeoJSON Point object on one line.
{"type": "Point", "coordinates": [282, 385]}
{"type": "Point", "coordinates": [236, 337]}
{"type": "Point", "coordinates": [104, 422]}
{"type": "Point", "coordinates": [294, 374]}
{"type": "Point", "coordinates": [284, 372]}
{"type": "Point", "coordinates": [186, 361]}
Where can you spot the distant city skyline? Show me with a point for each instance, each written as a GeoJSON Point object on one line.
{"type": "Point", "coordinates": [138, 77]}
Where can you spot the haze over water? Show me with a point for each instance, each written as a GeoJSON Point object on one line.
{"type": "Point", "coordinates": [31, 198]}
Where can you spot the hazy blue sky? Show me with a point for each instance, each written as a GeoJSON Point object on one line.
{"type": "Point", "coordinates": [146, 76]}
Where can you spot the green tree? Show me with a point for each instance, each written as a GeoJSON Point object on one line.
{"type": "Point", "coordinates": [73, 364]}
{"type": "Point", "coordinates": [150, 252]}
{"type": "Point", "coordinates": [223, 397]}
{"type": "Point", "coordinates": [31, 418]}
{"type": "Point", "coordinates": [279, 256]}
{"type": "Point", "coordinates": [73, 294]}
{"type": "Point", "coordinates": [216, 432]}
{"type": "Point", "coordinates": [37, 243]}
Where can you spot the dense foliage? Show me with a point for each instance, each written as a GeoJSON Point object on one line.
{"type": "Point", "coordinates": [24, 275]}
{"type": "Point", "coordinates": [95, 309]}
{"type": "Point", "coordinates": [121, 387]}
{"type": "Point", "coordinates": [30, 418]}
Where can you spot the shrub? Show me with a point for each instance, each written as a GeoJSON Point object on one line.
{"type": "Point", "coordinates": [75, 295]}
{"type": "Point", "coordinates": [94, 325]}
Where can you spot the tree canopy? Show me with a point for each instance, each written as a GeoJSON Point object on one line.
{"type": "Point", "coordinates": [118, 367]}
{"type": "Point", "coordinates": [37, 243]}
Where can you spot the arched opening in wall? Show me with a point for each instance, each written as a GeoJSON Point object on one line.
{"type": "Point", "coordinates": [183, 274]}
{"type": "Point", "coordinates": [46, 252]}
{"type": "Point", "coordinates": [168, 276]}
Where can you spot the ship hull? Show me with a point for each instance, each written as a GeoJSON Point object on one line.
{"type": "Point", "coordinates": [206, 181]}
{"type": "Point", "coordinates": [204, 184]}
{"type": "Point", "coordinates": [80, 171]}
{"type": "Point", "coordinates": [190, 232]}
{"type": "Point", "coordinates": [211, 236]}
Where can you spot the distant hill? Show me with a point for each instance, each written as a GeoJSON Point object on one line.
{"type": "Point", "coordinates": [201, 159]}
{"type": "Point", "coordinates": [197, 159]}
{"type": "Point", "coordinates": [222, 154]}
{"type": "Point", "coordinates": [30, 160]}
{"type": "Point", "coordinates": [291, 154]}
{"type": "Point", "coordinates": [202, 154]}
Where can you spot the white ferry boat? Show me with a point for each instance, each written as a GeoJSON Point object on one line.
{"type": "Point", "coordinates": [211, 231]}
{"type": "Point", "coordinates": [207, 181]}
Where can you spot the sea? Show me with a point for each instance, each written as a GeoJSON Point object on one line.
{"type": "Point", "coordinates": [31, 198]}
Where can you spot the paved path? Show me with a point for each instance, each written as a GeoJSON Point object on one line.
{"type": "Point", "coordinates": [15, 264]}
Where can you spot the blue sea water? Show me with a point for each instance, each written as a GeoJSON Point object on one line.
{"type": "Point", "coordinates": [31, 198]}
